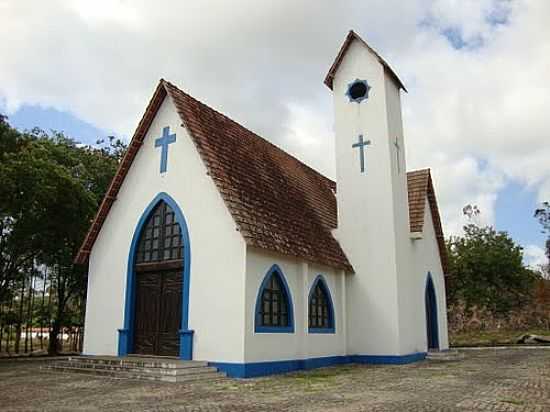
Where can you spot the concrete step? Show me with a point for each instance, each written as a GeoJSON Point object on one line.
{"type": "Point", "coordinates": [144, 362]}
{"type": "Point", "coordinates": [144, 368]}
{"type": "Point", "coordinates": [129, 367]}
{"type": "Point", "coordinates": [210, 376]}
{"type": "Point", "coordinates": [447, 355]}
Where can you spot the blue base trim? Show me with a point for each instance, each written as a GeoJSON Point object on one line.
{"type": "Point", "coordinates": [313, 363]}
{"type": "Point", "coordinates": [255, 369]}
{"type": "Point", "coordinates": [388, 359]}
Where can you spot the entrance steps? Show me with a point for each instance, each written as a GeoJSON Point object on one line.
{"type": "Point", "coordinates": [445, 355]}
{"type": "Point", "coordinates": [141, 368]}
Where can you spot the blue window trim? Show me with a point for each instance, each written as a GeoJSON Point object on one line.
{"type": "Point", "coordinates": [275, 270]}
{"type": "Point", "coordinates": [430, 287]}
{"type": "Point", "coordinates": [359, 99]}
{"type": "Point", "coordinates": [332, 322]}
{"type": "Point", "coordinates": [126, 334]}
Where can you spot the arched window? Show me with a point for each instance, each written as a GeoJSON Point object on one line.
{"type": "Point", "coordinates": [321, 310]}
{"type": "Point", "coordinates": [160, 237]}
{"type": "Point", "coordinates": [274, 305]}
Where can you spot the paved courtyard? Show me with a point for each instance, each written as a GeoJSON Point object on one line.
{"type": "Point", "coordinates": [487, 380]}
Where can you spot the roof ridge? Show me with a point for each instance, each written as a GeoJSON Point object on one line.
{"type": "Point", "coordinates": [263, 139]}
{"type": "Point", "coordinates": [352, 35]}
{"type": "Point", "coordinates": [424, 169]}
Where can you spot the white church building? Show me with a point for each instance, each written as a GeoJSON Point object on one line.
{"type": "Point", "coordinates": [213, 244]}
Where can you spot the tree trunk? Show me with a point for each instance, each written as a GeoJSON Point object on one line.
{"type": "Point", "coordinates": [28, 314]}
{"type": "Point", "coordinates": [53, 344]}
{"type": "Point", "coordinates": [31, 311]}
{"type": "Point", "coordinates": [1, 326]}
{"type": "Point", "coordinates": [49, 312]}
{"type": "Point", "coordinates": [19, 320]}
{"type": "Point", "coordinates": [42, 313]}
{"type": "Point", "coordinates": [9, 326]}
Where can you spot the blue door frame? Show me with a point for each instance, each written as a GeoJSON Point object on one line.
{"type": "Point", "coordinates": [126, 334]}
{"type": "Point", "coordinates": [432, 328]}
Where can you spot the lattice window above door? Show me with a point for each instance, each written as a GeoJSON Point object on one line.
{"type": "Point", "coordinates": [160, 239]}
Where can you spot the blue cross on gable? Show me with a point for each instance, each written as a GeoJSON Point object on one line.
{"type": "Point", "coordinates": [361, 145]}
{"type": "Point", "coordinates": [163, 142]}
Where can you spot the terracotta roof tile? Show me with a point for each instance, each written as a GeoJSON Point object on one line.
{"type": "Point", "coordinates": [420, 188]}
{"type": "Point", "coordinates": [277, 202]}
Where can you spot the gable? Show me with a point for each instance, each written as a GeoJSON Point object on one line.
{"type": "Point", "coordinates": [123, 168]}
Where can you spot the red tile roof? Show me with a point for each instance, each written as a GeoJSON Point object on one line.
{"type": "Point", "coordinates": [420, 188]}
{"type": "Point", "coordinates": [343, 50]}
{"type": "Point", "coordinates": [277, 202]}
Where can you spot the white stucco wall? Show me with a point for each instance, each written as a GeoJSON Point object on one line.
{"type": "Point", "coordinates": [385, 305]}
{"type": "Point", "coordinates": [425, 258]}
{"type": "Point", "coordinates": [217, 249]}
{"type": "Point", "coordinates": [298, 345]}
{"type": "Point", "coordinates": [366, 209]}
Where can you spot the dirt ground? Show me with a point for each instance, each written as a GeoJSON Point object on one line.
{"type": "Point", "coordinates": [508, 379]}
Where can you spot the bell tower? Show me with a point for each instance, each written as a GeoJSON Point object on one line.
{"type": "Point", "coordinates": [373, 219]}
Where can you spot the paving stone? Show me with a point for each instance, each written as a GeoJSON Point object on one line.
{"type": "Point", "coordinates": [511, 379]}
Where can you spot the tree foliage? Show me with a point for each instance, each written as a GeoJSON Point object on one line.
{"type": "Point", "coordinates": [486, 270]}
{"type": "Point", "coordinates": [51, 188]}
{"type": "Point", "coordinates": [543, 216]}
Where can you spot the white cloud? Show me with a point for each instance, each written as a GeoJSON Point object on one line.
{"type": "Point", "coordinates": [534, 256]}
{"type": "Point", "coordinates": [478, 115]}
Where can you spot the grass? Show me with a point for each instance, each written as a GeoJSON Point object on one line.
{"type": "Point", "coordinates": [491, 337]}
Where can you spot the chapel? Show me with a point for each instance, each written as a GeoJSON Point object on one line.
{"type": "Point", "coordinates": [213, 244]}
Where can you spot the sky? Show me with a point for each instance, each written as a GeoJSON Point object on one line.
{"type": "Point", "coordinates": [477, 74]}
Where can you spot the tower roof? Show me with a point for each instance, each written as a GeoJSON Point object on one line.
{"type": "Point", "coordinates": [343, 50]}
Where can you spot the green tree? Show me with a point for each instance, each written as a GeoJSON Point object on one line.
{"type": "Point", "coordinates": [51, 188]}
{"type": "Point", "coordinates": [543, 216]}
{"type": "Point", "coordinates": [17, 227]}
{"type": "Point", "coordinates": [486, 269]}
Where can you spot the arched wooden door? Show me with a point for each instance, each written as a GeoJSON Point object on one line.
{"type": "Point", "coordinates": [431, 316]}
{"type": "Point", "coordinates": [158, 269]}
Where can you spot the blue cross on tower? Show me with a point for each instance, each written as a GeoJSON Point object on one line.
{"type": "Point", "coordinates": [361, 145]}
{"type": "Point", "coordinates": [163, 142]}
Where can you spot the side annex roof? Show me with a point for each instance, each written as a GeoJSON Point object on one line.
{"type": "Point", "coordinates": [420, 189]}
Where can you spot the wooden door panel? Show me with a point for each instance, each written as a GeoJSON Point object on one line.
{"type": "Point", "coordinates": [147, 312]}
{"type": "Point", "coordinates": [157, 319]}
{"type": "Point", "coordinates": [170, 313]}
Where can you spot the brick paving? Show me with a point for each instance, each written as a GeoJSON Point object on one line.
{"type": "Point", "coordinates": [486, 380]}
